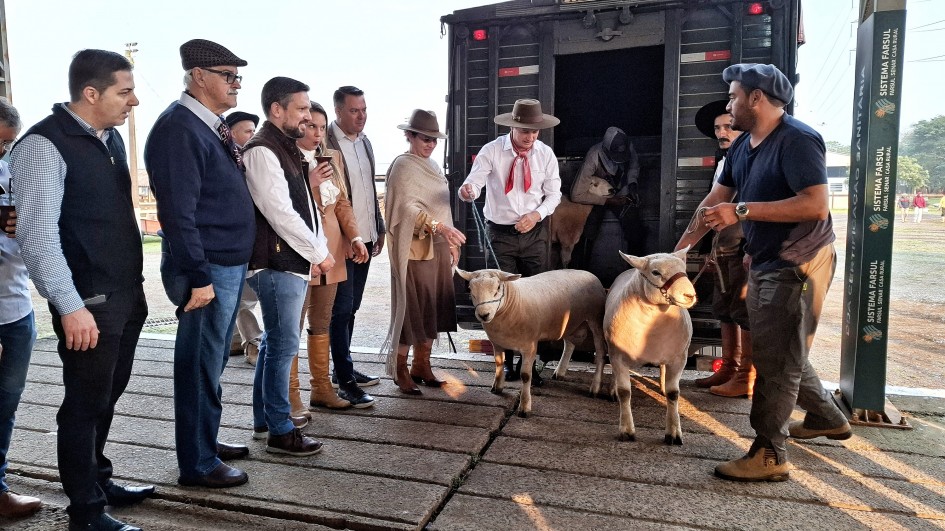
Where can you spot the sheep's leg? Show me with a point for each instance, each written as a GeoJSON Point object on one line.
{"type": "Point", "coordinates": [566, 251]}
{"type": "Point", "coordinates": [499, 382]}
{"type": "Point", "coordinates": [561, 371]}
{"type": "Point", "coordinates": [600, 351]}
{"type": "Point", "coordinates": [625, 430]}
{"type": "Point", "coordinates": [663, 379]}
{"type": "Point", "coordinates": [673, 427]}
{"type": "Point", "coordinates": [528, 362]}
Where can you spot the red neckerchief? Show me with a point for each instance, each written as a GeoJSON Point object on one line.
{"type": "Point", "coordinates": [526, 171]}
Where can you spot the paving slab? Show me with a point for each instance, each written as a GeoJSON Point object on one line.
{"type": "Point", "coordinates": [669, 504]}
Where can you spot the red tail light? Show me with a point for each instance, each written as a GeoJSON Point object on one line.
{"type": "Point", "coordinates": [479, 35]}
{"type": "Point", "coordinates": [717, 365]}
{"type": "Point", "coordinates": [756, 8]}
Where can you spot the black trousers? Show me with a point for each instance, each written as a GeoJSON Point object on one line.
{"type": "Point", "coordinates": [93, 381]}
{"type": "Point", "coordinates": [526, 253]}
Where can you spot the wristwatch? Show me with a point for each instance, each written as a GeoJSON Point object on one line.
{"type": "Point", "coordinates": [741, 210]}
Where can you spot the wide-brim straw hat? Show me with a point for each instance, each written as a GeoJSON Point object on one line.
{"type": "Point", "coordinates": [705, 117]}
{"type": "Point", "coordinates": [526, 114]}
{"type": "Point", "coordinates": [423, 122]}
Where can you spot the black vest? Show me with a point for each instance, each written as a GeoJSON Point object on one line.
{"type": "Point", "coordinates": [271, 251]}
{"type": "Point", "coordinates": [97, 228]}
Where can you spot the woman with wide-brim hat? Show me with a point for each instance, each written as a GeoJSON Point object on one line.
{"type": "Point", "coordinates": [423, 247]}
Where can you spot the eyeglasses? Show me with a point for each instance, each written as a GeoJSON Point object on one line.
{"type": "Point", "coordinates": [6, 143]}
{"type": "Point", "coordinates": [426, 139]}
{"type": "Point", "coordinates": [229, 77]}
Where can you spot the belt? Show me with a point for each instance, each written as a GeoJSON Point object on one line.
{"type": "Point", "coordinates": [509, 229]}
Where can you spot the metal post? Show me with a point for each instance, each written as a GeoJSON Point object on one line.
{"type": "Point", "coordinates": [130, 49]}
{"type": "Point", "coordinates": [871, 218]}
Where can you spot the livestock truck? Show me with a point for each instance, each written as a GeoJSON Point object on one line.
{"type": "Point", "coordinates": [645, 66]}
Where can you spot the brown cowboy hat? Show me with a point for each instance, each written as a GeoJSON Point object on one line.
{"type": "Point", "coordinates": [705, 118]}
{"type": "Point", "coordinates": [423, 122]}
{"type": "Point", "coordinates": [527, 114]}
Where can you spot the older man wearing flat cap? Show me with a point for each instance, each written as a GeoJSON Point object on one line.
{"type": "Point", "coordinates": [778, 170]}
{"type": "Point", "coordinates": [521, 176]}
{"type": "Point", "coordinates": [208, 221]}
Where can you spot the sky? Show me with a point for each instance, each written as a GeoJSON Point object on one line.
{"type": "Point", "coordinates": [393, 50]}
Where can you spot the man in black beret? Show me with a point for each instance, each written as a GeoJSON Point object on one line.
{"type": "Point", "coordinates": [208, 222]}
{"type": "Point", "coordinates": [779, 171]}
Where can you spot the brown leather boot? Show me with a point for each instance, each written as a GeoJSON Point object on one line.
{"type": "Point", "coordinates": [730, 358]}
{"type": "Point", "coordinates": [402, 379]}
{"type": "Point", "coordinates": [743, 383]}
{"type": "Point", "coordinates": [295, 401]}
{"type": "Point", "coordinates": [323, 394]}
{"type": "Point", "coordinates": [420, 370]}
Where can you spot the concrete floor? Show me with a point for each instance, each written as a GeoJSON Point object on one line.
{"type": "Point", "coordinates": [458, 458]}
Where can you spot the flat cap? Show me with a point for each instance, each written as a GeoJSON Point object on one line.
{"type": "Point", "coordinates": [239, 116]}
{"type": "Point", "coordinates": [768, 78]}
{"type": "Point", "coordinates": [201, 53]}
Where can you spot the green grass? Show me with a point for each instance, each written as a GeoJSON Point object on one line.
{"type": "Point", "coordinates": [152, 245]}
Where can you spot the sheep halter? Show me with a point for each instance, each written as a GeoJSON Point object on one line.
{"type": "Point", "coordinates": [664, 289]}
{"type": "Point", "coordinates": [499, 300]}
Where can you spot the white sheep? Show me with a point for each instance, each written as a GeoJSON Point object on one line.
{"type": "Point", "coordinates": [567, 223]}
{"type": "Point", "coordinates": [647, 321]}
{"type": "Point", "coordinates": [517, 313]}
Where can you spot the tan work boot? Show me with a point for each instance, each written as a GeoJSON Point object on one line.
{"type": "Point", "coordinates": [841, 433]}
{"type": "Point", "coordinates": [295, 401]}
{"type": "Point", "coordinates": [762, 466]}
{"type": "Point", "coordinates": [420, 370]}
{"type": "Point", "coordinates": [742, 384]}
{"type": "Point", "coordinates": [323, 394]}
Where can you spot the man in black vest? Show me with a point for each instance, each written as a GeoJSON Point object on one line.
{"type": "Point", "coordinates": [81, 245]}
{"type": "Point", "coordinates": [289, 249]}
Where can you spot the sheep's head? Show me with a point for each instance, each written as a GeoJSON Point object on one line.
{"type": "Point", "coordinates": [487, 290]}
{"type": "Point", "coordinates": [600, 187]}
{"type": "Point", "coordinates": [665, 280]}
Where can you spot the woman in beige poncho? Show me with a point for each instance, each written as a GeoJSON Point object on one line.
{"type": "Point", "coordinates": [423, 247]}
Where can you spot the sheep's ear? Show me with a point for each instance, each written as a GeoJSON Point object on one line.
{"type": "Point", "coordinates": [681, 254]}
{"type": "Point", "coordinates": [505, 277]}
{"type": "Point", "coordinates": [464, 274]}
{"type": "Point", "coordinates": [635, 261]}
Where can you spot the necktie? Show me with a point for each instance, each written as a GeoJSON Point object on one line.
{"type": "Point", "coordinates": [227, 138]}
{"type": "Point", "coordinates": [526, 171]}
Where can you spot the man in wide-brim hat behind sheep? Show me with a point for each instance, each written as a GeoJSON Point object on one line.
{"type": "Point", "coordinates": [520, 173]}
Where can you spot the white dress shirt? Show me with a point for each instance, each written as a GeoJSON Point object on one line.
{"type": "Point", "coordinates": [491, 170]}
{"type": "Point", "coordinates": [361, 180]}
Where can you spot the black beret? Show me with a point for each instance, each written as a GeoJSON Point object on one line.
{"type": "Point", "coordinates": [765, 77]}
{"type": "Point", "coordinates": [238, 116]}
{"type": "Point", "coordinates": [705, 118]}
{"type": "Point", "coordinates": [201, 53]}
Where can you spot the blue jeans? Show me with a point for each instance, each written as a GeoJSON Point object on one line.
{"type": "Point", "coordinates": [281, 296]}
{"type": "Point", "coordinates": [347, 301]}
{"type": "Point", "coordinates": [200, 355]}
{"type": "Point", "coordinates": [17, 339]}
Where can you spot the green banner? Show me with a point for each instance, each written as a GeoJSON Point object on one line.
{"type": "Point", "coordinates": [873, 155]}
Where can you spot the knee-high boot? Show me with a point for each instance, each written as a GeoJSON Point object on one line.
{"type": "Point", "coordinates": [420, 370]}
{"type": "Point", "coordinates": [295, 401]}
{"type": "Point", "coordinates": [402, 377]}
{"type": "Point", "coordinates": [323, 394]}
{"type": "Point", "coordinates": [731, 358]}
{"type": "Point", "coordinates": [743, 383]}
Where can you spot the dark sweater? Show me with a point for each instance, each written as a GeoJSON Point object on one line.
{"type": "Point", "coordinates": [271, 251]}
{"type": "Point", "coordinates": [97, 230]}
{"type": "Point", "coordinates": [204, 206]}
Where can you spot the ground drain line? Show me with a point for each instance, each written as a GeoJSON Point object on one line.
{"type": "Point", "coordinates": [454, 488]}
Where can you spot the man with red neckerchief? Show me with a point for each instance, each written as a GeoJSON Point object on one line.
{"type": "Point", "coordinates": [520, 173]}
